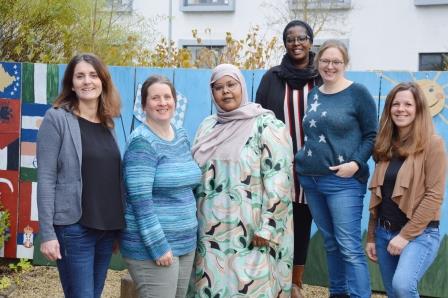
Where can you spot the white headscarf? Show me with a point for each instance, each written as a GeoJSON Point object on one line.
{"type": "Point", "coordinates": [230, 134]}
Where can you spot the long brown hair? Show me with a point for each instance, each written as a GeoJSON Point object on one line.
{"type": "Point", "coordinates": [109, 101]}
{"type": "Point", "coordinates": [388, 143]}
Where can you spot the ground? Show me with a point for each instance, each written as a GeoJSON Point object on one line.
{"type": "Point", "coordinates": [42, 281]}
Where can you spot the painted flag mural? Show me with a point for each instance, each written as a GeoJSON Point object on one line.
{"type": "Point", "coordinates": [40, 89]}
{"type": "Point", "coordinates": [10, 87]}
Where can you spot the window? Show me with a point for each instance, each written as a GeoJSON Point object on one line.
{"type": "Point", "coordinates": [433, 61]}
{"type": "Point", "coordinates": [429, 2]}
{"type": "Point", "coordinates": [320, 4]}
{"type": "Point", "coordinates": [207, 5]}
{"type": "Point", "coordinates": [205, 54]}
{"type": "Point", "coordinates": [120, 6]}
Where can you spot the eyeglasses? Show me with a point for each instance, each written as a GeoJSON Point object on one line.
{"type": "Point", "coordinates": [326, 62]}
{"type": "Point", "coordinates": [230, 85]}
{"type": "Point", "coordinates": [300, 39]}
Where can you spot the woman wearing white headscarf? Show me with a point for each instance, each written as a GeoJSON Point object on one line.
{"type": "Point", "coordinates": [245, 244]}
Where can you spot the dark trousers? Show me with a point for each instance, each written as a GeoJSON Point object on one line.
{"type": "Point", "coordinates": [302, 229]}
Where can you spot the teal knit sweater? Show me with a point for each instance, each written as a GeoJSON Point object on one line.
{"type": "Point", "coordinates": [338, 128]}
{"type": "Point", "coordinates": [161, 209]}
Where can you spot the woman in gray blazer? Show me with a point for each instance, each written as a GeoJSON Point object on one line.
{"type": "Point", "coordinates": [79, 196]}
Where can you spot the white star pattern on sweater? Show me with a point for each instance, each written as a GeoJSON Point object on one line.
{"type": "Point", "coordinates": [310, 153]}
{"type": "Point", "coordinates": [313, 123]}
{"type": "Point", "coordinates": [314, 106]}
{"type": "Point", "coordinates": [341, 158]}
{"type": "Point", "coordinates": [322, 139]}
{"type": "Point", "coordinates": [316, 97]}
{"type": "Point", "coordinates": [305, 138]}
{"type": "Point", "coordinates": [324, 114]}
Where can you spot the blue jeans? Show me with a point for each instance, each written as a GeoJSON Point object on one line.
{"type": "Point", "coordinates": [86, 255]}
{"type": "Point", "coordinates": [336, 205]}
{"type": "Point", "coordinates": [402, 273]}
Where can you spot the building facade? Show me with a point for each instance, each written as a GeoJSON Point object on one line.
{"type": "Point", "coordinates": [380, 34]}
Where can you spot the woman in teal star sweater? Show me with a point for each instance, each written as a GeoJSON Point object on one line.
{"type": "Point", "coordinates": [339, 130]}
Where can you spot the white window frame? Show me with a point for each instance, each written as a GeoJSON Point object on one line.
{"type": "Point", "coordinates": [333, 4]}
{"type": "Point", "coordinates": [430, 2]}
{"type": "Point", "coordinates": [229, 7]}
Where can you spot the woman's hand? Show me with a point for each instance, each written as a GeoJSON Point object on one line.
{"type": "Point", "coordinates": [396, 245]}
{"type": "Point", "coordinates": [345, 170]}
{"type": "Point", "coordinates": [166, 259]}
{"type": "Point", "coordinates": [259, 241]}
{"type": "Point", "coordinates": [50, 249]}
{"type": "Point", "coordinates": [371, 251]}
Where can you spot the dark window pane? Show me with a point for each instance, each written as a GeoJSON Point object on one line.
{"type": "Point", "coordinates": [433, 61]}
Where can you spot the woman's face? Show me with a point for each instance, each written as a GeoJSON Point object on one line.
{"type": "Point", "coordinates": [86, 83]}
{"type": "Point", "coordinates": [403, 110]}
{"type": "Point", "coordinates": [331, 65]}
{"type": "Point", "coordinates": [298, 45]}
{"type": "Point", "coordinates": [160, 103]}
{"type": "Point", "coordinates": [227, 93]}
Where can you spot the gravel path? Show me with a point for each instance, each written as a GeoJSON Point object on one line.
{"type": "Point", "coordinates": [43, 282]}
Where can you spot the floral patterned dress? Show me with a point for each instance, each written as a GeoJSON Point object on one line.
{"type": "Point", "coordinates": [237, 200]}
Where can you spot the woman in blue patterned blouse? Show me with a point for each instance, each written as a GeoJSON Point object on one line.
{"type": "Point", "coordinates": [159, 241]}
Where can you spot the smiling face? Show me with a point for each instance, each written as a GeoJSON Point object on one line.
{"type": "Point", "coordinates": [434, 95]}
{"type": "Point", "coordinates": [86, 82]}
{"type": "Point", "coordinates": [331, 65]}
{"type": "Point", "coordinates": [227, 93]}
{"type": "Point", "coordinates": [298, 45]}
{"type": "Point", "coordinates": [160, 103]}
{"type": "Point", "coordinates": [403, 110]}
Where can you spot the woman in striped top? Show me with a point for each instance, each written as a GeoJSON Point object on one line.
{"type": "Point", "coordinates": [159, 241]}
{"type": "Point", "coordinates": [284, 90]}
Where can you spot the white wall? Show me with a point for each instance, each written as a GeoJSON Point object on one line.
{"type": "Point", "coordinates": [389, 35]}
{"type": "Point", "coordinates": [246, 14]}
{"type": "Point", "coordinates": [382, 34]}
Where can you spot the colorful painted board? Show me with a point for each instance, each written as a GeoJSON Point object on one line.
{"type": "Point", "coordinates": [22, 107]}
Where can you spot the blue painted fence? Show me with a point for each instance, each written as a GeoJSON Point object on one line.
{"type": "Point", "coordinates": [195, 105]}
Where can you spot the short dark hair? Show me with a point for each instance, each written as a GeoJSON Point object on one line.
{"type": "Point", "coordinates": [153, 80]}
{"type": "Point", "coordinates": [299, 23]}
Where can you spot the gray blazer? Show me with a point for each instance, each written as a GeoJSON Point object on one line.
{"type": "Point", "coordinates": [59, 156]}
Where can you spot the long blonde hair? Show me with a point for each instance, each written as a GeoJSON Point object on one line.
{"type": "Point", "coordinates": [388, 143]}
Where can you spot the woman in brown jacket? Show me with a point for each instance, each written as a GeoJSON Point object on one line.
{"type": "Point", "coordinates": [407, 191]}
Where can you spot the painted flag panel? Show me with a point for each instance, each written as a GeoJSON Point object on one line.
{"type": "Point", "coordinates": [28, 221]}
{"type": "Point", "coordinates": [32, 117]}
{"type": "Point", "coordinates": [10, 80]}
{"type": "Point", "coordinates": [9, 187]}
{"type": "Point", "coordinates": [40, 83]}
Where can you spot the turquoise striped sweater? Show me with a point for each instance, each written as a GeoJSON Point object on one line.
{"type": "Point", "coordinates": [161, 209]}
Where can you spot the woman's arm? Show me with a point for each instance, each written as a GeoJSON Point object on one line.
{"type": "Point", "coordinates": [278, 180]}
{"type": "Point", "coordinates": [368, 123]}
{"type": "Point", "coordinates": [49, 141]}
{"type": "Point", "coordinates": [140, 166]}
{"type": "Point", "coordinates": [435, 176]}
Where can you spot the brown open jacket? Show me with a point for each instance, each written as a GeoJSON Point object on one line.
{"type": "Point", "coordinates": [418, 190]}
